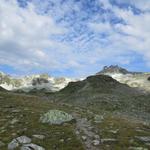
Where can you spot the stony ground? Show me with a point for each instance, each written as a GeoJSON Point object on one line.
{"type": "Point", "coordinates": [19, 116]}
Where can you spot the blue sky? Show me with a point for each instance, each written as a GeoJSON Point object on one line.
{"type": "Point", "coordinates": [73, 38]}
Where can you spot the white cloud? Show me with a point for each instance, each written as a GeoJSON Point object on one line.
{"type": "Point", "coordinates": [25, 36]}
{"type": "Point", "coordinates": [101, 27]}
{"type": "Point", "coordinates": [134, 35]}
{"type": "Point", "coordinates": [32, 40]}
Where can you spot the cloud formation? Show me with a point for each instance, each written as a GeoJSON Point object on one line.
{"type": "Point", "coordinates": [73, 38]}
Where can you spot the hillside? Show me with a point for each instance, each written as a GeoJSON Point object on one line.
{"type": "Point", "coordinates": [103, 93]}
{"type": "Point", "coordinates": [92, 130]}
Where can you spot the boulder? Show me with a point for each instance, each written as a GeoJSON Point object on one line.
{"type": "Point", "coordinates": [13, 144]}
{"type": "Point", "coordinates": [16, 142]}
{"type": "Point", "coordinates": [56, 117]}
{"type": "Point", "coordinates": [23, 140]}
{"type": "Point", "coordinates": [31, 147]}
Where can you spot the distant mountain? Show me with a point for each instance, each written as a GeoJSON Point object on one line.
{"type": "Point", "coordinates": [133, 79]}
{"type": "Point", "coordinates": [33, 82]}
{"type": "Point", "coordinates": [114, 69]}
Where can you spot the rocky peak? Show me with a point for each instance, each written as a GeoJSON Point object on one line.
{"type": "Point", "coordinates": [113, 69]}
{"type": "Point", "coordinates": [39, 81]}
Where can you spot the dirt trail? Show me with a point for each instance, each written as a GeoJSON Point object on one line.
{"type": "Point", "coordinates": [87, 133]}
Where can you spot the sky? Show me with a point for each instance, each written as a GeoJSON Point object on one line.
{"type": "Point", "coordinates": [73, 38]}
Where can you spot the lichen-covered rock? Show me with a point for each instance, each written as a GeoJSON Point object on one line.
{"type": "Point", "coordinates": [56, 117]}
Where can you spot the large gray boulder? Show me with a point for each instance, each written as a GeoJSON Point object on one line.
{"type": "Point", "coordinates": [23, 143]}
{"type": "Point", "coordinates": [31, 147]}
{"type": "Point", "coordinates": [16, 142]}
{"type": "Point", "coordinates": [56, 117]}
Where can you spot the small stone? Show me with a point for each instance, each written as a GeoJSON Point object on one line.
{"type": "Point", "coordinates": [90, 128]}
{"type": "Point", "coordinates": [24, 129]}
{"type": "Point", "coordinates": [62, 140]}
{"type": "Point", "coordinates": [12, 126]}
{"type": "Point", "coordinates": [108, 140]}
{"type": "Point", "coordinates": [23, 140]}
{"type": "Point", "coordinates": [13, 144]}
{"type": "Point", "coordinates": [137, 148]}
{"type": "Point", "coordinates": [31, 147]}
{"type": "Point", "coordinates": [114, 131]}
{"type": "Point", "coordinates": [2, 131]}
{"type": "Point", "coordinates": [131, 141]}
{"type": "Point", "coordinates": [2, 144]}
{"type": "Point", "coordinates": [96, 136]}
{"type": "Point", "coordinates": [148, 144]}
{"type": "Point", "coordinates": [69, 139]}
{"type": "Point", "coordinates": [8, 117]}
{"type": "Point", "coordinates": [13, 121]}
{"type": "Point", "coordinates": [3, 120]}
{"type": "Point", "coordinates": [14, 134]}
{"type": "Point", "coordinates": [96, 142]}
{"type": "Point", "coordinates": [98, 118]}
{"type": "Point", "coordinates": [15, 111]}
{"type": "Point", "coordinates": [77, 132]}
{"type": "Point", "coordinates": [84, 138]}
{"type": "Point", "coordinates": [143, 138]}
{"type": "Point", "coordinates": [41, 137]}
{"type": "Point", "coordinates": [2, 128]}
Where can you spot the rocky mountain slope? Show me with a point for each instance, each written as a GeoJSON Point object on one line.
{"type": "Point", "coordinates": [103, 93]}
{"type": "Point", "coordinates": [133, 79]}
{"type": "Point", "coordinates": [33, 82]}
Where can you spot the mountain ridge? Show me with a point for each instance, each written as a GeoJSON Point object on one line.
{"type": "Point", "coordinates": [133, 79]}
{"type": "Point", "coordinates": [116, 69]}
{"type": "Point", "coordinates": [38, 82]}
